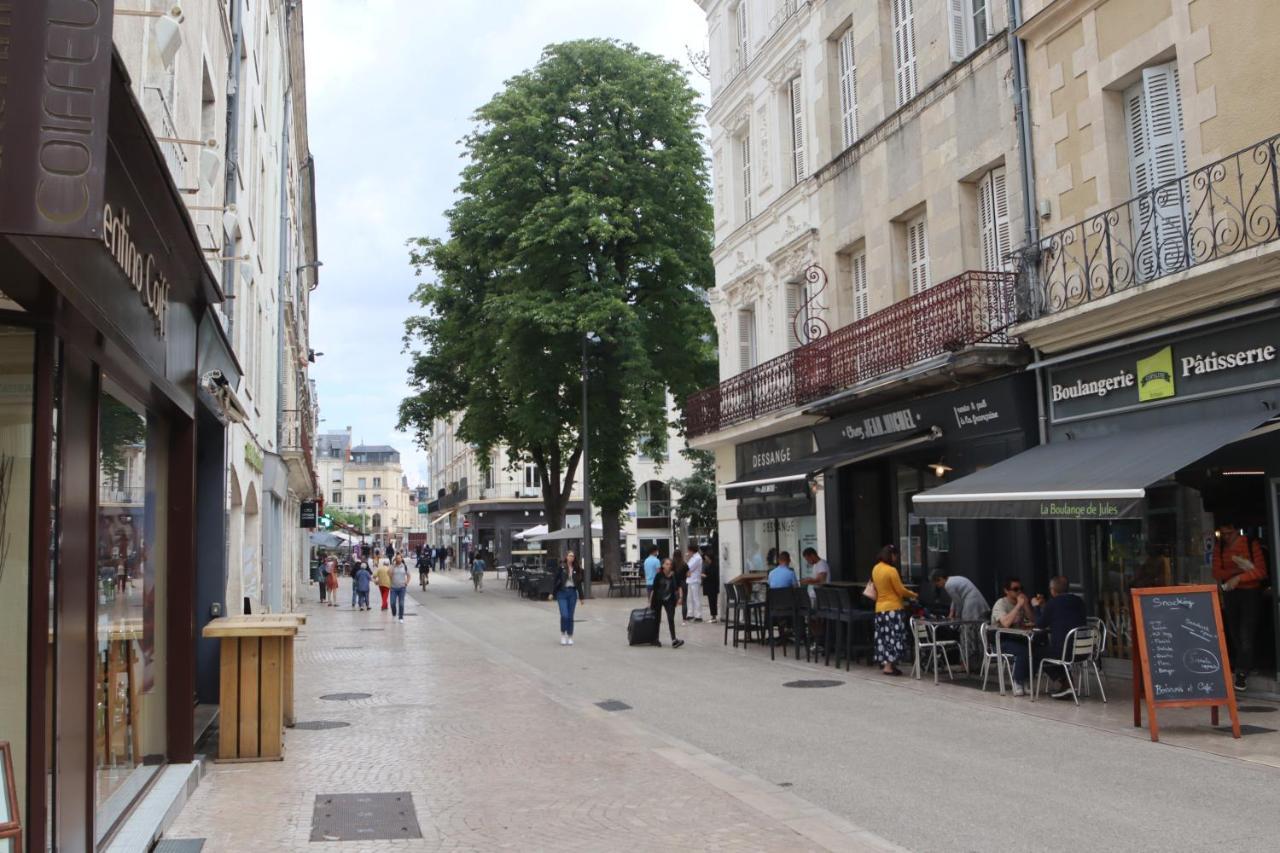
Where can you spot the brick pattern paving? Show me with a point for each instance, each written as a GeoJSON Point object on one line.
{"type": "Point", "coordinates": [493, 758]}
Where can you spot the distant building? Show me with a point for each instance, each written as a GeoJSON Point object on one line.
{"type": "Point", "coordinates": [367, 480]}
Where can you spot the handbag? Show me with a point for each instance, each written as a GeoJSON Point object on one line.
{"type": "Point", "coordinates": [870, 590]}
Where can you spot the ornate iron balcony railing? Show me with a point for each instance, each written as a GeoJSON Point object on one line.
{"type": "Point", "coordinates": [975, 307]}
{"type": "Point", "coordinates": [1215, 211]}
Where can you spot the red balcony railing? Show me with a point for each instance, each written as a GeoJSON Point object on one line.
{"type": "Point", "coordinates": [974, 308]}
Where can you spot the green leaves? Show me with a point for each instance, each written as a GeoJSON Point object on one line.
{"type": "Point", "coordinates": [583, 207]}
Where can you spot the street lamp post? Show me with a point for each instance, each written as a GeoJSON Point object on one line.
{"type": "Point", "coordinates": [589, 337]}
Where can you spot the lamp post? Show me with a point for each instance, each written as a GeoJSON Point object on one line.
{"type": "Point", "coordinates": [593, 338]}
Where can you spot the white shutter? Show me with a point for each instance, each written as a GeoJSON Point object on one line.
{"type": "Point", "coordinates": [918, 256]}
{"type": "Point", "coordinates": [1157, 156]}
{"type": "Point", "coordinates": [904, 49]}
{"type": "Point", "coordinates": [1168, 156]}
{"type": "Point", "coordinates": [744, 34]}
{"type": "Point", "coordinates": [797, 132]}
{"type": "Point", "coordinates": [794, 299]}
{"type": "Point", "coordinates": [848, 89]}
{"type": "Point", "coordinates": [993, 219]}
{"type": "Point", "coordinates": [746, 339]}
{"type": "Point", "coordinates": [745, 147]}
{"type": "Point", "coordinates": [958, 24]}
{"type": "Point", "coordinates": [861, 293]}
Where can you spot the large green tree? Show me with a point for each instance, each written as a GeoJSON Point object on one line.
{"type": "Point", "coordinates": [583, 209]}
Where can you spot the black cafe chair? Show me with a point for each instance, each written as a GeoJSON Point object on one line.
{"type": "Point", "coordinates": [787, 608]}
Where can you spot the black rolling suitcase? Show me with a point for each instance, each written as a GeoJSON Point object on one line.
{"type": "Point", "coordinates": [642, 627]}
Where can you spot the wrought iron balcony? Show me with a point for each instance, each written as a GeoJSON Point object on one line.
{"type": "Point", "coordinates": [296, 432]}
{"type": "Point", "coordinates": [974, 308]}
{"type": "Point", "coordinates": [1213, 212]}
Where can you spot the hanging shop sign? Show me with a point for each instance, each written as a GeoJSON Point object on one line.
{"type": "Point", "coordinates": [253, 456]}
{"type": "Point", "coordinates": [55, 80]}
{"type": "Point", "coordinates": [307, 514]}
{"type": "Point", "coordinates": [990, 408]}
{"type": "Point", "coordinates": [1207, 364]}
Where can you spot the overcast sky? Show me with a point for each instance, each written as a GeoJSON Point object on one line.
{"type": "Point", "coordinates": [391, 86]}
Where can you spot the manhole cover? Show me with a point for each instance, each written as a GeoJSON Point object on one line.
{"type": "Point", "coordinates": [814, 682]}
{"type": "Point", "coordinates": [613, 705]}
{"type": "Point", "coordinates": [345, 697]}
{"type": "Point", "coordinates": [364, 817]}
{"type": "Point", "coordinates": [179, 845]}
{"type": "Point", "coordinates": [320, 725]}
{"type": "Point", "coordinates": [1245, 729]}
{"type": "Point", "coordinates": [1256, 709]}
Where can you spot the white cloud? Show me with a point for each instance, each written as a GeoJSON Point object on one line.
{"type": "Point", "coordinates": [391, 86]}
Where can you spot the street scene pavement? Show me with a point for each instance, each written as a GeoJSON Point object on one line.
{"type": "Point", "coordinates": [493, 728]}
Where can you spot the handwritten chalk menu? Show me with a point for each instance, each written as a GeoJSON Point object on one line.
{"type": "Point", "coordinates": [1182, 654]}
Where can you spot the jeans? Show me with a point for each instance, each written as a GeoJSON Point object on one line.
{"type": "Point", "coordinates": [1242, 607]}
{"type": "Point", "coordinates": [477, 580]}
{"type": "Point", "coordinates": [567, 598]}
{"type": "Point", "coordinates": [397, 601]}
{"type": "Point", "coordinates": [695, 600]}
{"type": "Point", "coordinates": [362, 598]}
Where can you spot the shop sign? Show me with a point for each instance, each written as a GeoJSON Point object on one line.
{"type": "Point", "coordinates": [307, 514]}
{"type": "Point", "coordinates": [1086, 510]}
{"type": "Point", "coordinates": [138, 265]}
{"type": "Point", "coordinates": [422, 509]}
{"type": "Point", "coordinates": [55, 79]}
{"type": "Point", "coordinates": [774, 450]}
{"type": "Point", "coordinates": [253, 456]}
{"type": "Point", "coordinates": [1207, 364]}
{"type": "Point", "coordinates": [986, 409]}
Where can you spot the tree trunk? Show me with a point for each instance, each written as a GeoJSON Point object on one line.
{"type": "Point", "coordinates": [611, 544]}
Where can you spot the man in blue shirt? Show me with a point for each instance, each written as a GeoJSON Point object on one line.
{"type": "Point", "coordinates": [1062, 613]}
{"type": "Point", "coordinates": [651, 566]}
{"type": "Point", "coordinates": [782, 575]}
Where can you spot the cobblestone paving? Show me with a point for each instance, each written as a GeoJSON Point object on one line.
{"type": "Point", "coordinates": [495, 757]}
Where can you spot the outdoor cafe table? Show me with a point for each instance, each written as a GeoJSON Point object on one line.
{"type": "Point", "coordinates": [1028, 634]}
{"type": "Point", "coordinates": [959, 624]}
{"type": "Point", "coordinates": [256, 686]}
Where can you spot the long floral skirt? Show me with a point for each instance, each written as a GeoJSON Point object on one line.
{"type": "Point", "coordinates": [891, 636]}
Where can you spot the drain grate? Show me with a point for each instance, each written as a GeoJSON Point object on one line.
{"type": "Point", "coordinates": [814, 682]}
{"type": "Point", "coordinates": [320, 725]}
{"type": "Point", "coordinates": [1256, 709]}
{"type": "Point", "coordinates": [364, 817]}
{"type": "Point", "coordinates": [345, 697]}
{"type": "Point", "coordinates": [179, 845]}
{"type": "Point", "coordinates": [613, 705]}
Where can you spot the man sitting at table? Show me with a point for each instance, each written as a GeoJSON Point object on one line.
{"type": "Point", "coordinates": [782, 575]}
{"type": "Point", "coordinates": [1014, 610]}
{"type": "Point", "coordinates": [1061, 614]}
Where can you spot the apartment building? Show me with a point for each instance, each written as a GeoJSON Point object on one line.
{"type": "Point", "coordinates": [476, 509]}
{"type": "Point", "coordinates": [1150, 297]}
{"type": "Point", "coordinates": [368, 480]}
{"type": "Point", "coordinates": [867, 175]}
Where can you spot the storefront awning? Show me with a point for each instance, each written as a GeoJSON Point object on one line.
{"type": "Point", "coordinates": [1088, 479]}
{"type": "Point", "coordinates": [791, 478]}
{"type": "Point", "coordinates": [441, 517]}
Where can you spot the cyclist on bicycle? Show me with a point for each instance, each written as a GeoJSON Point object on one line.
{"type": "Point", "coordinates": [423, 568]}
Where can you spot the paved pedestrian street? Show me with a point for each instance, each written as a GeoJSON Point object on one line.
{"type": "Point", "coordinates": [493, 728]}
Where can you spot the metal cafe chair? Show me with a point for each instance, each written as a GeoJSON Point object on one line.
{"type": "Point", "coordinates": [989, 655]}
{"type": "Point", "coordinates": [926, 640]}
{"type": "Point", "coordinates": [1077, 655]}
{"type": "Point", "coordinates": [1099, 648]}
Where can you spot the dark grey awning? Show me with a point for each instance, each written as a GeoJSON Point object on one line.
{"type": "Point", "coordinates": [1089, 479]}
{"type": "Point", "coordinates": [791, 478]}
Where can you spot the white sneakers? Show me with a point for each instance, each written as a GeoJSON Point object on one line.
{"type": "Point", "coordinates": [566, 640]}
{"type": "Point", "coordinates": [571, 641]}
{"type": "Point", "coordinates": [1018, 690]}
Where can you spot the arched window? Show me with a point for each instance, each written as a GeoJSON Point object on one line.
{"type": "Point", "coordinates": [653, 500]}
{"type": "Point", "coordinates": [377, 521]}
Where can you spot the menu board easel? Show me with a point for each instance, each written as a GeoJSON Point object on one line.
{"type": "Point", "coordinates": [1181, 657]}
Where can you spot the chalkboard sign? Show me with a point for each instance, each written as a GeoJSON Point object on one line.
{"type": "Point", "coordinates": [1181, 659]}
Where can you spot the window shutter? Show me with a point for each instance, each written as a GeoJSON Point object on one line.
{"type": "Point", "coordinates": [918, 256]}
{"type": "Point", "coordinates": [794, 299]}
{"type": "Point", "coordinates": [904, 49]}
{"type": "Point", "coordinates": [797, 131]}
{"type": "Point", "coordinates": [744, 34]}
{"type": "Point", "coordinates": [745, 145]}
{"type": "Point", "coordinates": [1167, 154]}
{"type": "Point", "coordinates": [993, 219]}
{"type": "Point", "coordinates": [1157, 156]}
{"type": "Point", "coordinates": [848, 89]}
{"type": "Point", "coordinates": [861, 294]}
{"type": "Point", "coordinates": [961, 44]}
{"type": "Point", "coordinates": [746, 339]}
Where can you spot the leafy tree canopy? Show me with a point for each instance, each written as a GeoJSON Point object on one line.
{"type": "Point", "coordinates": [583, 208]}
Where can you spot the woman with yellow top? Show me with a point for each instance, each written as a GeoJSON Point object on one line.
{"type": "Point", "coordinates": [891, 621]}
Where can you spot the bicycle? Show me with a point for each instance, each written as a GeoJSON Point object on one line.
{"type": "Point", "coordinates": [422, 579]}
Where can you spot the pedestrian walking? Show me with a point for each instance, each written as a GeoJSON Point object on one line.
{"type": "Point", "coordinates": [391, 551]}
{"type": "Point", "coordinates": [448, 557]}
{"type": "Point", "coordinates": [682, 578]}
{"type": "Point", "coordinates": [477, 573]}
{"type": "Point", "coordinates": [331, 579]}
{"type": "Point", "coordinates": [890, 618]}
{"type": "Point", "coordinates": [568, 582]}
{"type": "Point", "coordinates": [711, 582]}
{"type": "Point", "coordinates": [360, 586]}
{"type": "Point", "coordinates": [693, 583]}
{"type": "Point", "coordinates": [382, 575]}
{"type": "Point", "coordinates": [399, 586]}
{"type": "Point", "coordinates": [666, 595]}
{"type": "Point", "coordinates": [361, 562]}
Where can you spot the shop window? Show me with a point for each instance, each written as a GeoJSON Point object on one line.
{"type": "Point", "coordinates": [129, 721]}
{"type": "Point", "coordinates": [17, 356]}
{"type": "Point", "coordinates": [763, 539]}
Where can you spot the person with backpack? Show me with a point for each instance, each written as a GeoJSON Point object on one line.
{"type": "Point", "coordinates": [399, 580]}
{"type": "Point", "coordinates": [360, 588]}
